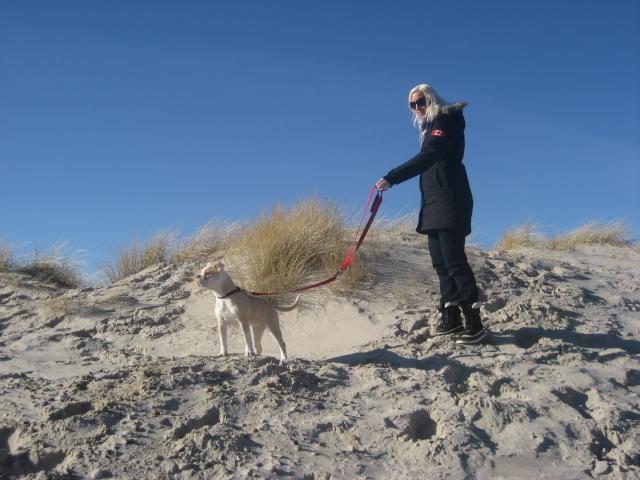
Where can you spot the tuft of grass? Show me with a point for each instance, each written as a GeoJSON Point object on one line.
{"type": "Point", "coordinates": [53, 267]}
{"type": "Point", "coordinates": [134, 258]}
{"type": "Point", "coordinates": [614, 234]}
{"type": "Point", "coordinates": [61, 306]}
{"type": "Point", "coordinates": [205, 244]}
{"type": "Point", "coordinates": [166, 247]}
{"type": "Point", "coordinates": [7, 261]}
{"type": "Point", "coordinates": [288, 248]}
{"type": "Point", "coordinates": [522, 236]}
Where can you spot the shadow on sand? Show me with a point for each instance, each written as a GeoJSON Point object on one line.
{"type": "Point", "coordinates": [456, 372]}
{"type": "Point", "coordinates": [528, 336]}
{"type": "Point", "coordinates": [524, 338]}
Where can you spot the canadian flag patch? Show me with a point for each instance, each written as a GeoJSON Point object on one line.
{"type": "Point", "coordinates": [437, 133]}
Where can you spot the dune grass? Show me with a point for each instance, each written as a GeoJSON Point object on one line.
{"type": "Point", "coordinates": [522, 236]}
{"type": "Point", "coordinates": [167, 247]}
{"type": "Point", "coordinates": [288, 247]}
{"type": "Point", "coordinates": [60, 306]}
{"type": "Point", "coordinates": [135, 257]}
{"type": "Point", "coordinates": [282, 250]}
{"type": "Point", "coordinates": [6, 257]}
{"type": "Point", "coordinates": [206, 244]}
{"type": "Point", "coordinates": [52, 266]}
{"type": "Point", "coordinates": [615, 234]}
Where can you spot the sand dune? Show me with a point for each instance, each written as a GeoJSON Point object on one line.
{"type": "Point", "coordinates": [123, 381]}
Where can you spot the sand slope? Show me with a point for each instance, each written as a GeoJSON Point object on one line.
{"type": "Point", "coordinates": [123, 381]}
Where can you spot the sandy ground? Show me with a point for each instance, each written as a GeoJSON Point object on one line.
{"type": "Point", "coordinates": [124, 381]}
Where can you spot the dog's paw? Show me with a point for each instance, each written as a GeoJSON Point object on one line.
{"type": "Point", "coordinates": [223, 354]}
{"type": "Point", "coordinates": [249, 354]}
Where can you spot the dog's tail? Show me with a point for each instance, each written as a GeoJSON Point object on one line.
{"type": "Point", "coordinates": [288, 308]}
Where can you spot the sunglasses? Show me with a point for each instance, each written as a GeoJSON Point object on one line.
{"type": "Point", "coordinates": [420, 102]}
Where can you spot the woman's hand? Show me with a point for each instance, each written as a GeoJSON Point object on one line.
{"type": "Point", "coordinates": [382, 185]}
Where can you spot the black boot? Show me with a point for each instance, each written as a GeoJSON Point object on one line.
{"type": "Point", "coordinates": [474, 331]}
{"type": "Point", "coordinates": [449, 321]}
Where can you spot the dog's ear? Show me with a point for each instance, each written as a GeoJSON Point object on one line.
{"type": "Point", "coordinates": [219, 266]}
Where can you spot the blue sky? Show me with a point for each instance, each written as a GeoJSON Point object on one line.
{"type": "Point", "coordinates": [122, 119]}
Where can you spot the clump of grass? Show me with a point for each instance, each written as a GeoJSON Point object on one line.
{"type": "Point", "coordinates": [615, 234]}
{"type": "Point", "coordinates": [166, 247]}
{"type": "Point", "coordinates": [206, 243]}
{"type": "Point", "coordinates": [53, 267]}
{"type": "Point", "coordinates": [61, 306]}
{"type": "Point", "coordinates": [290, 247]}
{"type": "Point", "coordinates": [519, 237]}
{"type": "Point", "coordinates": [134, 258]}
{"type": "Point", "coordinates": [6, 257]}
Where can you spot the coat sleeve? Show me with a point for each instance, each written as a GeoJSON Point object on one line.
{"type": "Point", "coordinates": [434, 147]}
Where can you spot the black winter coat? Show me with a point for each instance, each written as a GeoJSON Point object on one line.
{"type": "Point", "coordinates": [446, 200]}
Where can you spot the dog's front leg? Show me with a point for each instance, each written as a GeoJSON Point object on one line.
{"type": "Point", "coordinates": [222, 334]}
{"type": "Point", "coordinates": [248, 342]}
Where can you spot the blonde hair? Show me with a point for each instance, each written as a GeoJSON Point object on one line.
{"type": "Point", "coordinates": [435, 103]}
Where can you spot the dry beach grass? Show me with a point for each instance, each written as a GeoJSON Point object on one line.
{"type": "Point", "coordinates": [521, 236]}
{"type": "Point", "coordinates": [281, 250]}
{"type": "Point", "coordinates": [287, 246]}
{"type": "Point", "coordinates": [615, 234]}
{"type": "Point", "coordinates": [51, 266]}
{"type": "Point", "coordinates": [206, 244]}
{"type": "Point", "coordinates": [290, 247]}
{"type": "Point", "coordinates": [133, 258]}
{"type": "Point", "coordinates": [6, 257]}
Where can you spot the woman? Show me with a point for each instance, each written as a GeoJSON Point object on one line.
{"type": "Point", "coordinates": [445, 208]}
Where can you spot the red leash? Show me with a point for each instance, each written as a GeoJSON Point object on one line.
{"type": "Point", "coordinates": [353, 248]}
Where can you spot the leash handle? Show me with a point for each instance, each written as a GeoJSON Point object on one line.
{"type": "Point", "coordinates": [353, 248]}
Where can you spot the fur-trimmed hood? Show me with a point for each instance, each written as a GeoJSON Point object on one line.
{"type": "Point", "coordinates": [453, 107]}
{"type": "Point", "coordinates": [448, 109]}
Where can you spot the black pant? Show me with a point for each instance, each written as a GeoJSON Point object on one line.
{"type": "Point", "coordinates": [457, 282]}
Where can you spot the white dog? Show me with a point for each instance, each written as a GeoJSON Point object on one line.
{"type": "Point", "coordinates": [254, 314]}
